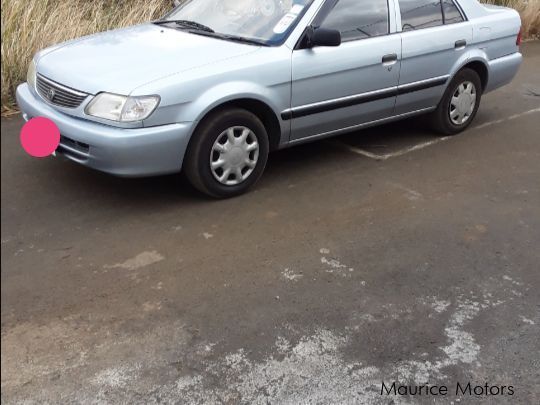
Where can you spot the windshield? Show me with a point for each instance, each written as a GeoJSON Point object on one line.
{"type": "Point", "coordinates": [267, 21]}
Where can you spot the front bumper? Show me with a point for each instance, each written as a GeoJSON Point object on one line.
{"type": "Point", "coordinates": [137, 152]}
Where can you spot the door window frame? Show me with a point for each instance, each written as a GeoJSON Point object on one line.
{"type": "Point", "coordinates": [459, 9]}
{"type": "Point", "coordinates": [360, 38]}
{"type": "Point", "coordinates": [399, 21]}
{"type": "Point", "coordinates": [327, 8]}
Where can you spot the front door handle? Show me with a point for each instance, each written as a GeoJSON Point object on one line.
{"type": "Point", "coordinates": [460, 44]}
{"type": "Point", "coordinates": [389, 59]}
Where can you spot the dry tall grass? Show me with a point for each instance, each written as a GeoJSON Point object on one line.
{"type": "Point", "coordinates": [30, 25]}
{"type": "Point", "coordinates": [530, 14]}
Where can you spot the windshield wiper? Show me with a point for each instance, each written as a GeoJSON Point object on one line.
{"type": "Point", "coordinates": [187, 24]}
{"type": "Point", "coordinates": [200, 29]}
{"type": "Point", "coordinates": [242, 40]}
{"type": "Point", "coordinates": [234, 38]}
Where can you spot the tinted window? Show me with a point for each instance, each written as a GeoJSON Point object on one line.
{"type": "Point", "coordinates": [416, 14]}
{"type": "Point", "coordinates": [357, 19]}
{"type": "Point", "coordinates": [451, 12]}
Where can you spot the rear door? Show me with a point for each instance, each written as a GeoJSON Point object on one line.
{"type": "Point", "coordinates": [435, 35]}
{"type": "Point", "coordinates": [336, 88]}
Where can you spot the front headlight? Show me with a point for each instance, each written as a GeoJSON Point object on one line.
{"type": "Point", "coordinates": [31, 75]}
{"type": "Point", "coordinates": [122, 108]}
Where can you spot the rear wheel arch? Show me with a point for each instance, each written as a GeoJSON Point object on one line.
{"type": "Point", "coordinates": [441, 117]}
{"type": "Point", "coordinates": [480, 68]}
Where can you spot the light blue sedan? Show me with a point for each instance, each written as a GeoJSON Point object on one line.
{"type": "Point", "coordinates": [216, 85]}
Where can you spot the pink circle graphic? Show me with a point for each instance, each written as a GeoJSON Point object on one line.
{"type": "Point", "coordinates": [40, 137]}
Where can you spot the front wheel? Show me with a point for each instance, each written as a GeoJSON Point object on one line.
{"type": "Point", "coordinates": [459, 104]}
{"type": "Point", "coordinates": [227, 154]}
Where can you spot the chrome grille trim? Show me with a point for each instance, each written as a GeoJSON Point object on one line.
{"type": "Point", "coordinates": [57, 94]}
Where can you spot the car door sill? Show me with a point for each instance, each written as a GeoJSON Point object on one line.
{"type": "Point", "coordinates": [359, 126]}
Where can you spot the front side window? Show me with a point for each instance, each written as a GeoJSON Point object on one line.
{"type": "Point", "coordinates": [358, 19]}
{"type": "Point", "coordinates": [266, 21]}
{"type": "Point", "coordinates": [417, 14]}
{"type": "Point", "coordinates": [451, 12]}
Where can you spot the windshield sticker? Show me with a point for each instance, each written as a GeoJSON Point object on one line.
{"type": "Point", "coordinates": [296, 9]}
{"type": "Point", "coordinates": [284, 24]}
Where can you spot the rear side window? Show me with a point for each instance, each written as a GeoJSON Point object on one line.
{"type": "Point", "coordinates": [451, 12]}
{"type": "Point", "coordinates": [417, 14]}
{"type": "Point", "coordinates": [359, 19]}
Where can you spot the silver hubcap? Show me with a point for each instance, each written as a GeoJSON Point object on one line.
{"type": "Point", "coordinates": [463, 103]}
{"type": "Point", "coordinates": [234, 155]}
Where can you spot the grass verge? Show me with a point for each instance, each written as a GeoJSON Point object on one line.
{"type": "Point", "coordinates": [28, 26]}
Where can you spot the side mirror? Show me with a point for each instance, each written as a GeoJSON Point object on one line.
{"type": "Point", "coordinates": [323, 37]}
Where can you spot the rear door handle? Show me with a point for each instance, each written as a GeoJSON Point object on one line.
{"type": "Point", "coordinates": [460, 44]}
{"type": "Point", "coordinates": [389, 59]}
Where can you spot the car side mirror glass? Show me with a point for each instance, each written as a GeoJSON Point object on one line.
{"type": "Point", "coordinates": [324, 37]}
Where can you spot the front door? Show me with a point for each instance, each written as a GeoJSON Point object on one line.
{"type": "Point", "coordinates": [336, 88]}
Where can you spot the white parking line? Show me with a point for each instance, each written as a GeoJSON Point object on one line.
{"type": "Point", "coordinates": [402, 152]}
{"type": "Point", "coordinates": [424, 145]}
{"type": "Point", "coordinates": [512, 117]}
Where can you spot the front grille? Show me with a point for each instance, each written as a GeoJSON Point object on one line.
{"type": "Point", "coordinates": [59, 95]}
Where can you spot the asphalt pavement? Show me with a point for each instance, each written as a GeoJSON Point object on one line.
{"type": "Point", "coordinates": [387, 255]}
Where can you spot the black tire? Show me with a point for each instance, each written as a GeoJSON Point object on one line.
{"type": "Point", "coordinates": [198, 157]}
{"type": "Point", "coordinates": [440, 118]}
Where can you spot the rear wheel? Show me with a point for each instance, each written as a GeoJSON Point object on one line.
{"type": "Point", "coordinates": [227, 154]}
{"type": "Point", "coordinates": [459, 104]}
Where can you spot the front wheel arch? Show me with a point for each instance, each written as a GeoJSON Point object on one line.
{"type": "Point", "coordinates": [258, 108]}
{"type": "Point", "coordinates": [197, 163]}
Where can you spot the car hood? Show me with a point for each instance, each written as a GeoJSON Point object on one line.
{"type": "Point", "coordinates": [120, 61]}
